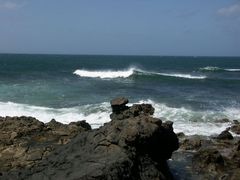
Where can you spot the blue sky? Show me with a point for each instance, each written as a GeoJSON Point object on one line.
{"type": "Point", "coordinates": [124, 27]}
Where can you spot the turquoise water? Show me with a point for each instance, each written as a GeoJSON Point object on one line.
{"type": "Point", "coordinates": [191, 91]}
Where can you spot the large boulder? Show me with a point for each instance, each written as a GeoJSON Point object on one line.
{"type": "Point", "coordinates": [119, 104]}
{"type": "Point", "coordinates": [121, 111]}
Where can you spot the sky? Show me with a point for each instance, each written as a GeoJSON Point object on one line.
{"type": "Point", "coordinates": [121, 27]}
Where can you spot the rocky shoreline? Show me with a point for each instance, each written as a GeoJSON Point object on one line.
{"type": "Point", "coordinates": [134, 145]}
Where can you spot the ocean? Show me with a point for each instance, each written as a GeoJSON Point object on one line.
{"type": "Point", "coordinates": [193, 92]}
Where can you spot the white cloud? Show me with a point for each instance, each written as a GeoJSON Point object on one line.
{"type": "Point", "coordinates": [230, 11]}
{"type": "Point", "coordinates": [10, 5]}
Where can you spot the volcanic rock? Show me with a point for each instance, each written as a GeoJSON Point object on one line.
{"type": "Point", "coordinates": [130, 112]}
{"type": "Point", "coordinates": [24, 140]}
{"type": "Point", "coordinates": [235, 128]}
{"type": "Point", "coordinates": [119, 104]}
{"type": "Point", "coordinates": [133, 148]}
{"type": "Point", "coordinates": [208, 160]}
{"type": "Point", "coordinates": [225, 135]}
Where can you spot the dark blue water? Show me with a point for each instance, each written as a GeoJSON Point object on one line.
{"type": "Point", "coordinates": [183, 89]}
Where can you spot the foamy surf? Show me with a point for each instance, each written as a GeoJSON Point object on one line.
{"type": "Point", "coordinates": [95, 114]}
{"type": "Point", "coordinates": [108, 74]}
{"type": "Point", "coordinates": [186, 76]}
{"type": "Point", "coordinates": [105, 74]}
{"type": "Point", "coordinates": [194, 122]}
{"type": "Point", "coordinates": [213, 68]}
{"type": "Point", "coordinates": [185, 120]}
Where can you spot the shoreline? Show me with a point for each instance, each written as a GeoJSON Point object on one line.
{"type": "Point", "coordinates": [27, 145]}
{"type": "Point", "coordinates": [197, 122]}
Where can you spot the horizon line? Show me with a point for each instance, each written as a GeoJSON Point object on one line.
{"type": "Point", "coordinates": [140, 55]}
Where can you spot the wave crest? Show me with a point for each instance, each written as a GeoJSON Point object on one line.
{"type": "Point", "coordinates": [108, 74]}
{"type": "Point", "coordinates": [105, 74]}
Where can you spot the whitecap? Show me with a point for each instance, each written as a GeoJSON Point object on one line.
{"type": "Point", "coordinates": [186, 76]}
{"type": "Point", "coordinates": [107, 74]}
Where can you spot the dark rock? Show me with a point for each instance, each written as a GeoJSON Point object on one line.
{"type": "Point", "coordinates": [225, 135]}
{"type": "Point", "coordinates": [135, 148]}
{"type": "Point", "coordinates": [119, 104]}
{"type": "Point", "coordinates": [235, 122]}
{"type": "Point", "coordinates": [235, 128]}
{"type": "Point", "coordinates": [82, 124]}
{"type": "Point", "coordinates": [25, 141]}
{"type": "Point", "coordinates": [191, 143]}
{"type": "Point", "coordinates": [209, 160]}
{"type": "Point", "coordinates": [120, 101]}
{"type": "Point", "coordinates": [235, 174]}
{"type": "Point", "coordinates": [224, 120]}
{"type": "Point", "coordinates": [168, 125]}
{"type": "Point", "coordinates": [180, 135]}
{"type": "Point", "coordinates": [131, 112]}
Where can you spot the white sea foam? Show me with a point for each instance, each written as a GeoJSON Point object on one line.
{"type": "Point", "coordinates": [210, 68]}
{"type": "Point", "coordinates": [213, 68]}
{"type": "Point", "coordinates": [105, 74]}
{"type": "Point", "coordinates": [194, 122]}
{"type": "Point", "coordinates": [185, 120]}
{"type": "Point", "coordinates": [233, 70]}
{"type": "Point", "coordinates": [95, 114]}
{"type": "Point", "coordinates": [108, 74]}
{"type": "Point", "coordinates": [186, 76]}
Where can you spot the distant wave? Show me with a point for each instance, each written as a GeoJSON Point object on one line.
{"type": "Point", "coordinates": [186, 76]}
{"type": "Point", "coordinates": [217, 69]}
{"type": "Point", "coordinates": [108, 74]}
{"type": "Point", "coordinates": [185, 120]}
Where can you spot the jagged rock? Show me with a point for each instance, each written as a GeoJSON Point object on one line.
{"type": "Point", "coordinates": [191, 143]}
{"type": "Point", "coordinates": [209, 160]}
{"type": "Point", "coordinates": [235, 122]}
{"type": "Point", "coordinates": [225, 135]}
{"type": "Point", "coordinates": [24, 141]}
{"type": "Point", "coordinates": [135, 147]}
{"type": "Point", "coordinates": [134, 111]}
{"type": "Point", "coordinates": [235, 128]}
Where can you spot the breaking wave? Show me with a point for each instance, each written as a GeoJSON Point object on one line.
{"type": "Point", "coordinates": [109, 74]}
{"type": "Point", "coordinates": [94, 114]}
{"type": "Point", "coordinates": [105, 74]}
{"type": "Point", "coordinates": [185, 120]}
